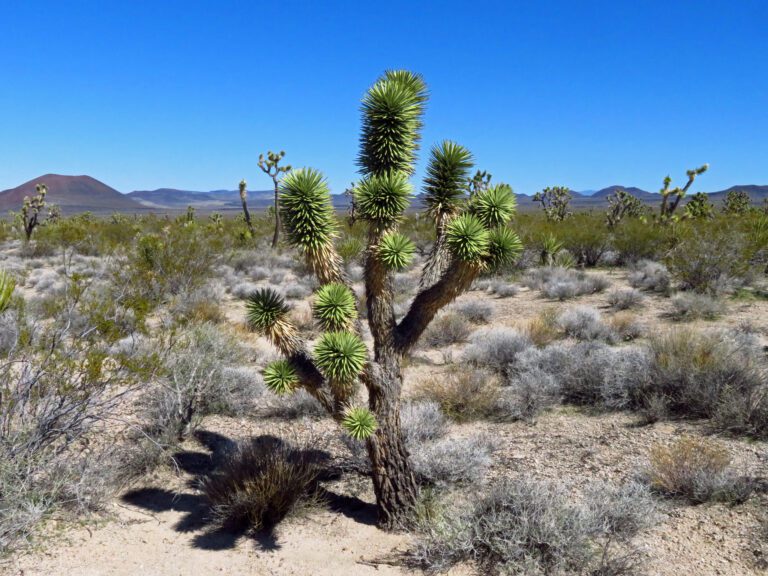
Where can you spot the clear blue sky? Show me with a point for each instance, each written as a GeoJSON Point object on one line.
{"type": "Point", "coordinates": [185, 94]}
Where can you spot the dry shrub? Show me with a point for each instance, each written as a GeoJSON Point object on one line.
{"type": "Point", "coordinates": [695, 469]}
{"type": "Point", "coordinates": [448, 328]}
{"type": "Point", "coordinates": [542, 329]}
{"type": "Point", "coordinates": [260, 482]}
{"type": "Point", "coordinates": [462, 394]}
{"type": "Point", "coordinates": [626, 326]}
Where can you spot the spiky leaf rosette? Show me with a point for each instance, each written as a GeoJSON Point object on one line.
{"type": "Point", "coordinates": [382, 198]}
{"type": "Point", "coordinates": [340, 356]}
{"type": "Point", "coordinates": [396, 251]}
{"type": "Point", "coordinates": [445, 182]}
{"type": "Point", "coordinates": [335, 307]}
{"type": "Point", "coordinates": [392, 111]}
{"type": "Point", "coordinates": [359, 423]}
{"type": "Point", "coordinates": [467, 238]}
{"type": "Point", "coordinates": [265, 313]}
{"type": "Point", "coordinates": [7, 286]}
{"type": "Point", "coordinates": [264, 308]}
{"type": "Point", "coordinates": [306, 210]}
{"type": "Point", "coordinates": [309, 220]}
{"type": "Point", "coordinates": [280, 377]}
{"type": "Point", "coordinates": [495, 206]}
{"type": "Point", "coordinates": [504, 247]}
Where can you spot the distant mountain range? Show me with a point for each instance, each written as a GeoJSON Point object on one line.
{"type": "Point", "coordinates": [76, 194]}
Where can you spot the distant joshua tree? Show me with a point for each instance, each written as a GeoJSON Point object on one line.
{"type": "Point", "coordinates": [699, 206]}
{"type": "Point", "coordinates": [737, 202]}
{"type": "Point", "coordinates": [667, 209]}
{"type": "Point", "coordinates": [476, 238]}
{"type": "Point", "coordinates": [622, 204]}
{"type": "Point", "coordinates": [244, 201]}
{"type": "Point", "coordinates": [554, 201]}
{"type": "Point", "coordinates": [32, 210]}
{"type": "Point", "coordinates": [271, 167]}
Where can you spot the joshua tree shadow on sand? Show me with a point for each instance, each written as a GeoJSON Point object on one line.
{"type": "Point", "coordinates": [197, 514]}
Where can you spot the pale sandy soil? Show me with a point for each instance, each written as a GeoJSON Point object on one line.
{"type": "Point", "coordinates": [163, 532]}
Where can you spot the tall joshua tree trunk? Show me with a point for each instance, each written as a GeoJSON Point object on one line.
{"type": "Point", "coordinates": [271, 167]}
{"type": "Point", "coordinates": [393, 481]}
{"type": "Point", "coordinates": [276, 235]}
{"type": "Point", "coordinates": [474, 238]}
{"type": "Point", "coordinates": [244, 202]}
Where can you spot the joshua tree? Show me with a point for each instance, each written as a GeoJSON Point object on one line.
{"type": "Point", "coordinates": [667, 210]}
{"type": "Point", "coordinates": [7, 285]}
{"type": "Point", "coordinates": [271, 167]}
{"type": "Point", "coordinates": [479, 182]}
{"type": "Point", "coordinates": [622, 204]}
{"type": "Point", "coordinates": [699, 206]}
{"type": "Point", "coordinates": [554, 202]}
{"type": "Point", "coordinates": [244, 201]}
{"type": "Point", "coordinates": [476, 238]}
{"type": "Point", "coordinates": [31, 211]}
{"type": "Point", "coordinates": [737, 202]}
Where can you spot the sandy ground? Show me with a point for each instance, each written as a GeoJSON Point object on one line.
{"type": "Point", "coordinates": [161, 529]}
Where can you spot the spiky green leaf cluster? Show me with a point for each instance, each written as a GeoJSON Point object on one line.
{"type": "Point", "coordinates": [392, 111]}
{"type": "Point", "coordinates": [340, 356]}
{"type": "Point", "coordinates": [447, 174]}
{"type": "Point", "coordinates": [494, 206]}
{"type": "Point", "coordinates": [264, 308]}
{"type": "Point", "coordinates": [7, 286]}
{"type": "Point", "coordinates": [467, 238]}
{"type": "Point", "coordinates": [280, 377]}
{"type": "Point", "coordinates": [306, 210]}
{"type": "Point", "coordinates": [396, 251]}
{"type": "Point", "coordinates": [359, 423]}
{"type": "Point", "coordinates": [383, 197]}
{"type": "Point", "coordinates": [335, 307]}
{"type": "Point", "coordinates": [504, 247]}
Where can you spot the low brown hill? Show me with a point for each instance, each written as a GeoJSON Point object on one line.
{"type": "Point", "coordinates": [73, 194]}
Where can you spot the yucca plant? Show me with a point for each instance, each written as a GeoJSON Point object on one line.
{"type": "Point", "coordinates": [7, 286]}
{"type": "Point", "coordinates": [472, 237]}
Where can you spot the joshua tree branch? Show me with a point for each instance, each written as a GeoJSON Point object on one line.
{"type": "Point", "coordinates": [457, 278]}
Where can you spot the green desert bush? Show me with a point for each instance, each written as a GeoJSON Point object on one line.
{"type": "Point", "coordinates": [198, 380]}
{"type": "Point", "coordinates": [635, 240]}
{"type": "Point", "coordinates": [710, 260]}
